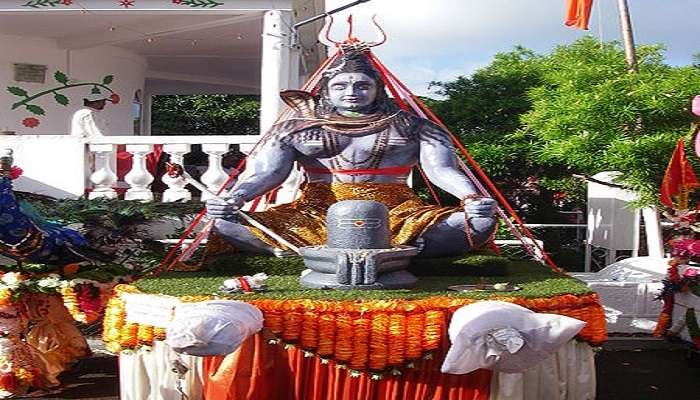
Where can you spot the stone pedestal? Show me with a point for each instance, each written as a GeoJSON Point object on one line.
{"type": "Point", "coordinates": [358, 253]}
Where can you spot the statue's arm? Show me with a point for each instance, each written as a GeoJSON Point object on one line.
{"type": "Point", "coordinates": [270, 166]}
{"type": "Point", "coordinates": [439, 162]}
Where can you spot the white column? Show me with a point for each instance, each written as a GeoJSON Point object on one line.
{"type": "Point", "coordinates": [280, 71]}
{"type": "Point", "coordinates": [652, 226]}
{"type": "Point", "coordinates": [215, 176]}
{"type": "Point", "coordinates": [139, 179]}
{"type": "Point", "coordinates": [104, 178]}
{"type": "Point", "coordinates": [275, 69]}
{"type": "Point", "coordinates": [176, 190]}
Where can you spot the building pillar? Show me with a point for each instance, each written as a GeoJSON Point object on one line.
{"type": "Point", "coordinates": [279, 71]}
{"type": "Point", "coordinates": [276, 64]}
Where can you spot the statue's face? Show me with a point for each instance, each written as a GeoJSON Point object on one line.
{"type": "Point", "coordinates": [351, 91]}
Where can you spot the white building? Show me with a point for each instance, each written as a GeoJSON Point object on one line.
{"type": "Point", "coordinates": [54, 53]}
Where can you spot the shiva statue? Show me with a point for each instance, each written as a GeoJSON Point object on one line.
{"type": "Point", "coordinates": [354, 143]}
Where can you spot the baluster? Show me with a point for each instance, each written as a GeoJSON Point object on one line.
{"type": "Point", "coordinates": [215, 176]}
{"type": "Point", "coordinates": [139, 179]}
{"type": "Point", "coordinates": [176, 190]}
{"type": "Point", "coordinates": [104, 178]}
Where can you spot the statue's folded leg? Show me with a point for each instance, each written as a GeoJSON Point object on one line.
{"type": "Point", "coordinates": [447, 238]}
{"type": "Point", "coordinates": [241, 237]}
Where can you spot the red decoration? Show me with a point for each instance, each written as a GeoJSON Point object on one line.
{"type": "Point", "coordinates": [679, 176]}
{"type": "Point", "coordinates": [31, 122]}
{"type": "Point", "coordinates": [15, 172]}
{"type": "Point", "coordinates": [126, 3]}
{"type": "Point", "coordinates": [67, 2]}
{"type": "Point", "coordinates": [114, 98]}
{"type": "Point", "coordinates": [578, 13]}
{"type": "Point", "coordinates": [88, 297]}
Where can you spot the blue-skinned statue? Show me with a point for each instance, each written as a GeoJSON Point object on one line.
{"type": "Point", "coordinates": [354, 143]}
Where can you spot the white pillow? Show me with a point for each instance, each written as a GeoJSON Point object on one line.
{"type": "Point", "coordinates": [211, 328]}
{"type": "Point", "coordinates": [504, 337]}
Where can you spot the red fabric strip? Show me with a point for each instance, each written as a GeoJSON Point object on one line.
{"type": "Point", "coordinates": [404, 169]}
{"type": "Point", "coordinates": [244, 285]}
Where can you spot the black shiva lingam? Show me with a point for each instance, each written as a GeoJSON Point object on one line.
{"type": "Point", "coordinates": [358, 254]}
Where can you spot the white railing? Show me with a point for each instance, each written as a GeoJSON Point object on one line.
{"type": "Point", "coordinates": [103, 178]}
{"type": "Point", "coordinates": [65, 166]}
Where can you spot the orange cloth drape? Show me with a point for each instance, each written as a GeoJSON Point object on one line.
{"type": "Point", "coordinates": [578, 13]}
{"type": "Point", "coordinates": [261, 371]}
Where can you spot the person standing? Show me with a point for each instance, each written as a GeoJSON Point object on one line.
{"type": "Point", "coordinates": [89, 121]}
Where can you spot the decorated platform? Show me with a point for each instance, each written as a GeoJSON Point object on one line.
{"type": "Point", "coordinates": [388, 341]}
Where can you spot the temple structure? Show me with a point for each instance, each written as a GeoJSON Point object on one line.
{"type": "Point", "coordinates": [58, 53]}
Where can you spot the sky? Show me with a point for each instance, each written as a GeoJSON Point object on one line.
{"type": "Point", "coordinates": [439, 40]}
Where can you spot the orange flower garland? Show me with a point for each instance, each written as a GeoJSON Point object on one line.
{"type": "Point", "coordinates": [365, 335]}
{"type": "Point", "coordinates": [360, 352]}
{"type": "Point", "coordinates": [115, 316]}
{"type": "Point", "coordinates": [15, 379]}
{"type": "Point", "coordinates": [414, 328]}
{"type": "Point", "coordinates": [5, 297]}
{"type": "Point", "coordinates": [344, 339]}
{"type": "Point", "coordinates": [432, 333]}
{"type": "Point", "coordinates": [379, 347]}
{"type": "Point", "coordinates": [397, 330]}
{"type": "Point", "coordinates": [309, 335]}
{"type": "Point", "coordinates": [326, 333]}
{"type": "Point", "coordinates": [144, 335]}
{"type": "Point", "coordinates": [70, 300]}
{"type": "Point", "coordinates": [292, 321]}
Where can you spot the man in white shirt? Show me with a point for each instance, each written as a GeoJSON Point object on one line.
{"type": "Point", "coordinates": [87, 121]}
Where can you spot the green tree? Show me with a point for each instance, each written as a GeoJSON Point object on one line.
{"type": "Point", "coordinates": [205, 115]}
{"type": "Point", "coordinates": [484, 110]}
{"type": "Point", "coordinates": [589, 114]}
{"type": "Point", "coordinates": [539, 119]}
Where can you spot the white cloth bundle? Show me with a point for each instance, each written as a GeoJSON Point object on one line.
{"type": "Point", "coordinates": [504, 337]}
{"type": "Point", "coordinates": [211, 328]}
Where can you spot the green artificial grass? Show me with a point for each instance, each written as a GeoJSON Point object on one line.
{"type": "Point", "coordinates": [535, 280]}
{"type": "Point", "coordinates": [474, 264]}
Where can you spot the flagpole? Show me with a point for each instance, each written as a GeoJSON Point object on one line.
{"type": "Point", "coordinates": [627, 35]}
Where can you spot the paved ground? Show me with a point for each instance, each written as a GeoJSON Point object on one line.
{"type": "Point", "coordinates": [627, 369]}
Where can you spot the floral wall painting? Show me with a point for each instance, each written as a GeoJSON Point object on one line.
{"type": "Point", "coordinates": [123, 3]}
{"type": "Point", "coordinates": [60, 94]}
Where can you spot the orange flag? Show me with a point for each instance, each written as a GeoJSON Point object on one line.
{"type": "Point", "coordinates": [679, 176]}
{"type": "Point", "coordinates": [578, 13]}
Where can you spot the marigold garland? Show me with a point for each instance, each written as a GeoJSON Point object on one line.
{"type": "Point", "coordinates": [432, 333]}
{"type": "Point", "coordinates": [326, 334]}
{"type": "Point", "coordinates": [292, 321]}
{"type": "Point", "coordinates": [16, 379]}
{"type": "Point", "coordinates": [379, 347]}
{"type": "Point", "coordinates": [367, 335]}
{"type": "Point", "coordinates": [344, 337]}
{"type": "Point", "coordinates": [414, 342]}
{"type": "Point", "coordinates": [397, 333]}
{"type": "Point", "coordinates": [85, 303]}
{"type": "Point", "coordinates": [360, 352]}
{"type": "Point", "coordinates": [310, 333]}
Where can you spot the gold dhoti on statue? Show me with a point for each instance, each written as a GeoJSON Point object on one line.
{"type": "Point", "coordinates": [303, 222]}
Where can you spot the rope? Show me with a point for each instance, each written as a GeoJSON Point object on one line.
{"type": "Point", "coordinates": [171, 258]}
{"type": "Point", "coordinates": [499, 196]}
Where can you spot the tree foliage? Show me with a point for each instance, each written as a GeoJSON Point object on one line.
{"type": "Point", "coordinates": [205, 115]}
{"type": "Point", "coordinates": [533, 120]}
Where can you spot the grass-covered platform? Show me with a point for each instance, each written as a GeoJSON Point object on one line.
{"type": "Point", "coordinates": [394, 326]}
{"type": "Point", "coordinates": [434, 276]}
